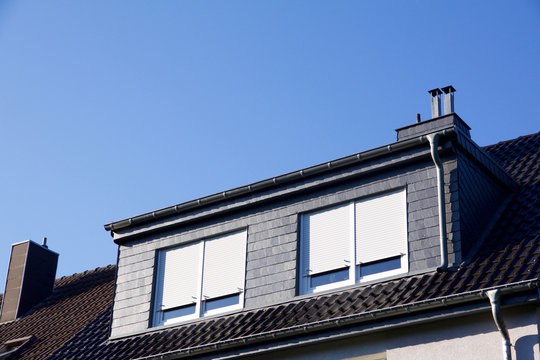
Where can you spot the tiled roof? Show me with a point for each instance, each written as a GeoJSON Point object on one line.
{"type": "Point", "coordinates": [76, 300]}
{"type": "Point", "coordinates": [75, 319]}
{"type": "Point", "coordinates": [510, 255]}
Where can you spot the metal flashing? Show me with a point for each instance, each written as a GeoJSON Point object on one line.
{"type": "Point", "coordinates": [433, 120]}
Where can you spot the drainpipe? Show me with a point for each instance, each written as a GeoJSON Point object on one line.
{"type": "Point", "coordinates": [495, 300]}
{"type": "Point", "coordinates": [433, 144]}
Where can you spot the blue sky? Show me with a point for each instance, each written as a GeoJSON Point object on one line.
{"type": "Point", "coordinates": [112, 109]}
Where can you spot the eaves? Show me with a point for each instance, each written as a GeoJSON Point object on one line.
{"type": "Point", "coordinates": [274, 188]}
{"type": "Point", "coordinates": [524, 292]}
{"type": "Point", "coordinates": [404, 152]}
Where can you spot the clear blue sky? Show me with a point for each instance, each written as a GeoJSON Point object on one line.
{"type": "Point", "coordinates": [109, 109]}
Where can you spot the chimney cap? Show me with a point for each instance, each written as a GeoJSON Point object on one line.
{"type": "Point", "coordinates": [435, 92]}
{"type": "Point", "coordinates": [448, 89]}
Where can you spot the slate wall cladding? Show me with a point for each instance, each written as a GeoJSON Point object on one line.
{"type": "Point", "coordinates": [273, 233]}
{"type": "Point", "coordinates": [479, 197]}
{"type": "Point", "coordinates": [452, 210]}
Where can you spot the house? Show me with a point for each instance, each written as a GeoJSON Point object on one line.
{"type": "Point", "coordinates": [426, 248]}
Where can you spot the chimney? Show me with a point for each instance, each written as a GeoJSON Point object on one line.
{"type": "Point", "coordinates": [448, 99]}
{"type": "Point", "coordinates": [435, 102]}
{"type": "Point", "coordinates": [30, 278]}
{"type": "Point", "coordinates": [439, 122]}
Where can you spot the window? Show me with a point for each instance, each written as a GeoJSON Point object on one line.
{"type": "Point", "coordinates": [200, 278]}
{"type": "Point", "coordinates": [11, 349]}
{"type": "Point", "coordinates": [358, 241]}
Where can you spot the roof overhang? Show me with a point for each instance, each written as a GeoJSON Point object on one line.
{"type": "Point", "coordinates": [121, 226]}
{"type": "Point", "coordinates": [520, 293]}
{"type": "Point", "coordinates": [160, 219]}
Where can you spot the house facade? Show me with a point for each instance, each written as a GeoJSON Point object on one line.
{"type": "Point", "coordinates": [425, 248]}
{"type": "Point", "coordinates": [366, 221]}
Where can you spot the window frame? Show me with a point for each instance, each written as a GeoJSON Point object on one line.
{"type": "Point", "coordinates": [159, 317]}
{"type": "Point", "coordinates": [355, 276]}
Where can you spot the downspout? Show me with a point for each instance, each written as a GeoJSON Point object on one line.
{"type": "Point", "coordinates": [433, 144]}
{"type": "Point", "coordinates": [495, 300]}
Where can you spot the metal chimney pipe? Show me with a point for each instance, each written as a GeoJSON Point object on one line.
{"type": "Point", "coordinates": [435, 102]}
{"type": "Point", "coordinates": [448, 99]}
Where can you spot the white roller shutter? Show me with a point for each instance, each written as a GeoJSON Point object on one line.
{"type": "Point", "coordinates": [179, 271]}
{"type": "Point", "coordinates": [224, 265]}
{"type": "Point", "coordinates": [381, 226]}
{"type": "Point", "coordinates": [326, 239]}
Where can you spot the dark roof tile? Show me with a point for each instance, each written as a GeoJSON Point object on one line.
{"type": "Point", "coordinates": [75, 302]}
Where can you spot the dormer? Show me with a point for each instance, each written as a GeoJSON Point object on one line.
{"type": "Point", "coordinates": [421, 204]}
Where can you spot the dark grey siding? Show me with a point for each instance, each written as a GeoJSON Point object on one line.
{"type": "Point", "coordinates": [271, 217]}
{"type": "Point", "coordinates": [480, 196]}
{"type": "Point", "coordinates": [431, 126]}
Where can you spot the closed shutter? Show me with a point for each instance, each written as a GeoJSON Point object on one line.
{"type": "Point", "coordinates": [179, 269]}
{"type": "Point", "coordinates": [326, 239]}
{"type": "Point", "coordinates": [381, 227]}
{"type": "Point", "coordinates": [224, 265]}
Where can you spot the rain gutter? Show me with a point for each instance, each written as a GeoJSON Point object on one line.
{"type": "Point", "coordinates": [273, 182]}
{"type": "Point", "coordinates": [375, 315]}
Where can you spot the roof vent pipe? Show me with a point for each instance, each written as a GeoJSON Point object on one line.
{"type": "Point", "coordinates": [448, 99]}
{"type": "Point", "coordinates": [435, 102]}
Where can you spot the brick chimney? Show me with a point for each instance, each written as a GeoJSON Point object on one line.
{"type": "Point", "coordinates": [30, 278]}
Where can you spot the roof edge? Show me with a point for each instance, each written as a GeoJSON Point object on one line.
{"type": "Point", "coordinates": [486, 160]}
{"type": "Point", "coordinates": [349, 320]}
{"type": "Point", "coordinates": [435, 119]}
{"type": "Point", "coordinates": [273, 182]}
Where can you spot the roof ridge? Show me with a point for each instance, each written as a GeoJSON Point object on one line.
{"type": "Point", "coordinates": [99, 269]}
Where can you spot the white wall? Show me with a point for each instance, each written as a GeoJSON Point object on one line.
{"type": "Point", "coordinates": [467, 338]}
